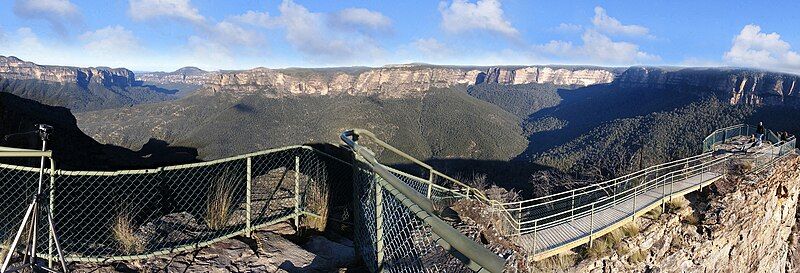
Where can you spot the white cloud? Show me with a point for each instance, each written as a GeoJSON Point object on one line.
{"type": "Point", "coordinates": [431, 48]}
{"type": "Point", "coordinates": [58, 13]}
{"type": "Point", "coordinates": [110, 40]}
{"type": "Point", "coordinates": [568, 28]}
{"type": "Point", "coordinates": [599, 49]}
{"type": "Point", "coordinates": [176, 9]}
{"type": "Point", "coordinates": [360, 19]}
{"type": "Point", "coordinates": [206, 53]}
{"type": "Point", "coordinates": [486, 15]}
{"type": "Point", "coordinates": [254, 18]}
{"type": "Point", "coordinates": [612, 26]}
{"type": "Point", "coordinates": [308, 32]}
{"type": "Point", "coordinates": [763, 50]}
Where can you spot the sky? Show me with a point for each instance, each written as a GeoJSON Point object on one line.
{"type": "Point", "coordinates": [163, 35]}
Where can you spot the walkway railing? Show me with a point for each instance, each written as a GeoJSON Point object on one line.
{"type": "Point", "coordinates": [631, 194]}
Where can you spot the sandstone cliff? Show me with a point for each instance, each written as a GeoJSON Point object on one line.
{"type": "Point", "coordinates": [743, 225]}
{"type": "Point", "coordinates": [16, 69]}
{"type": "Point", "coordinates": [387, 81]}
{"type": "Point", "coordinates": [737, 86]}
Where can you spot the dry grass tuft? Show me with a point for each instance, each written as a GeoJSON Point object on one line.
{"type": "Point", "coordinates": [219, 202]}
{"type": "Point", "coordinates": [637, 257]}
{"type": "Point", "coordinates": [654, 213]}
{"type": "Point", "coordinates": [630, 229]}
{"type": "Point", "coordinates": [691, 219]}
{"type": "Point", "coordinates": [125, 235]}
{"type": "Point", "coordinates": [599, 248]}
{"type": "Point", "coordinates": [5, 246]}
{"type": "Point", "coordinates": [558, 262]}
{"type": "Point", "coordinates": [677, 204]}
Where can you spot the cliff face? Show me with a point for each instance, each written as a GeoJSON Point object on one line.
{"type": "Point", "coordinates": [737, 86]}
{"type": "Point", "coordinates": [389, 81]}
{"type": "Point", "coordinates": [16, 69]}
{"type": "Point", "coordinates": [745, 226]}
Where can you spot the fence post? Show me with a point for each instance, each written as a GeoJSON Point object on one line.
{"type": "Point", "coordinates": [430, 183]}
{"type": "Point", "coordinates": [50, 238]}
{"type": "Point", "coordinates": [297, 192]}
{"type": "Point", "coordinates": [379, 224]}
{"type": "Point", "coordinates": [591, 225]}
{"type": "Point", "coordinates": [249, 196]}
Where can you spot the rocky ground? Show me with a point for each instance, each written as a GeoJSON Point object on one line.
{"type": "Point", "coordinates": [271, 250]}
{"type": "Point", "coordinates": [743, 223]}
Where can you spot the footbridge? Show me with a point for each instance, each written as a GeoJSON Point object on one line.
{"type": "Point", "coordinates": [402, 220]}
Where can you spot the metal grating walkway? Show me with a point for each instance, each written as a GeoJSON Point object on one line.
{"type": "Point", "coordinates": [582, 228]}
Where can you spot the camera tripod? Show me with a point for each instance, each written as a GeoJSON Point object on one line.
{"type": "Point", "coordinates": [30, 223]}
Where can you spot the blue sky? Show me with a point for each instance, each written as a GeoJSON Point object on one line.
{"type": "Point", "coordinates": [168, 34]}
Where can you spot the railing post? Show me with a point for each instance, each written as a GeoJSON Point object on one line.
{"type": "Point", "coordinates": [249, 196]}
{"type": "Point", "coordinates": [430, 183]}
{"type": "Point", "coordinates": [591, 225]}
{"type": "Point", "coordinates": [664, 194]}
{"type": "Point", "coordinates": [535, 226]}
{"type": "Point", "coordinates": [572, 208]}
{"type": "Point", "coordinates": [671, 187]}
{"type": "Point", "coordinates": [633, 208]}
{"type": "Point", "coordinates": [379, 224]}
{"type": "Point", "coordinates": [297, 192]}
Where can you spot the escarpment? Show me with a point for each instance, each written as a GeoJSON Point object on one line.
{"type": "Point", "coordinates": [14, 68]}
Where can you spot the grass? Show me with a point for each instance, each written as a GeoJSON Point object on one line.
{"type": "Point", "coordinates": [654, 214]}
{"type": "Point", "coordinates": [637, 256]}
{"type": "Point", "coordinates": [5, 246]}
{"type": "Point", "coordinates": [691, 219]}
{"type": "Point", "coordinates": [599, 248]}
{"type": "Point", "coordinates": [677, 204]}
{"type": "Point", "coordinates": [558, 262]}
{"type": "Point", "coordinates": [630, 229]}
{"type": "Point", "coordinates": [219, 201]}
{"type": "Point", "coordinates": [125, 234]}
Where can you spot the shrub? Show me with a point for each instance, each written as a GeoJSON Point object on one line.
{"type": "Point", "coordinates": [219, 202]}
{"type": "Point", "coordinates": [125, 235]}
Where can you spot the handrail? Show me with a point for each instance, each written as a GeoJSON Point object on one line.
{"type": "Point", "coordinates": [464, 245]}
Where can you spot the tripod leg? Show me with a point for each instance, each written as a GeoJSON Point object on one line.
{"type": "Point", "coordinates": [55, 241]}
{"type": "Point", "coordinates": [16, 238]}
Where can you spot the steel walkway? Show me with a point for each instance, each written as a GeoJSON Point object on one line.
{"type": "Point", "coordinates": [582, 229]}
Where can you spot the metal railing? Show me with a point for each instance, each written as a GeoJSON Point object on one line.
{"type": "Point", "coordinates": [397, 223]}
{"type": "Point", "coordinates": [528, 217]}
{"type": "Point", "coordinates": [135, 214]}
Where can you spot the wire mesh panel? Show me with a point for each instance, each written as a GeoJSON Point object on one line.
{"type": "Point", "coordinates": [133, 214]}
{"type": "Point", "coordinates": [390, 236]}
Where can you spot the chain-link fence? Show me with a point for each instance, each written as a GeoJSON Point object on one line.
{"type": "Point", "coordinates": [134, 214]}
